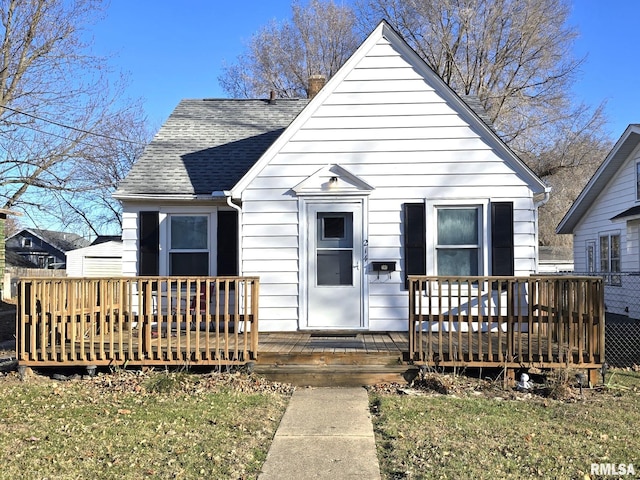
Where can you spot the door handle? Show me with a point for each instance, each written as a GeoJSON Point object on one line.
{"type": "Point", "coordinates": [357, 266]}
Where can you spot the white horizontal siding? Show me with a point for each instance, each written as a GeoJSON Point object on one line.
{"type": "Point", "coordinates": [383, 98]}
{"type": "Point", "coordinates": [384, 121]}
{"type": "Point", "coordinates": [386, 125]}
{"type": "Point", "coordinates": [102, 267]}
{"type": "Point", "coordinates": [382, 85]}
{"type": "Point", "coordinates": [129, 241]}
{"type": "Point", "coordinates": [383, 144]}
{"type": "Point", "coordinates": [272, 253]}
{"type": "Point", "coordinates": [618, 196]}
{"type": "Point", "coordinates": [390, 133]}
{"type": "Point", "coordinates": [102, 260]}
{"type": "Point", "coordinates": [464, 158]}
{"type": "Point", "coordinates": [385, 110]}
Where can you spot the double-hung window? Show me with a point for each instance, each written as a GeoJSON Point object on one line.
{"type": "Point", "coordinates": [459, 238]}
{"type": "Point", "coordinates": [458, 241]}
{"type": "Point", "coordinates": [637, 180]}
{"type": "Point", "coordinates": [610, 257]}
{"type": "Point", "coordinates": [189, 245]}
{"type": "Point", "coordinates": [591, 257]}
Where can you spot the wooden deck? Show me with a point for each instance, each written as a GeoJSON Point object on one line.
{"type": "Point", "coordinates": [137, 321]}
{"type": "Point", "coordinates": [507, 321]}
{"type": "Point", "coordinates": [499, 322]}
{"type": "Point", "coordinates": [335, 359]}
{"type": "Point", "coordinates": [291, 343]}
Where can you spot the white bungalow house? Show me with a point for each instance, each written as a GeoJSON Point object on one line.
{"type": "Point", "coordinates": [605, 224]}
{"type": "Point", "coordinates": [334, 200]}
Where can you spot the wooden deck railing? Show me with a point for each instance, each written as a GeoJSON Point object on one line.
{"type": "Point", "coordinates": [545, 321]}
{"type": "Point", "coordinates": [137, 321]}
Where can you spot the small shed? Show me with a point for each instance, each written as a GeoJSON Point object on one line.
{"type": "Point", "coordinates": [103, 258]}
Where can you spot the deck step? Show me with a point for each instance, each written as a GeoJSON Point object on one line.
{"type": "Point", "coordinates": [331, 358]}
{"type": "Point", "coordinates": [336, 375]}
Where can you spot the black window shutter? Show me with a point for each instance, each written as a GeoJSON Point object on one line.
{"type": "Point", "coordinates": [149, 255]}
{"type": "Point", "coordinates": [502, 238]}
{"type": "Point", "coordinates": [415, 243]}
{"type": "Point", "coordinates": [227, 255]}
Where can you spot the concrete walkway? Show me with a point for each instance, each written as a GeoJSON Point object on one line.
{"type": "Point", "coordinates": [326, 433]}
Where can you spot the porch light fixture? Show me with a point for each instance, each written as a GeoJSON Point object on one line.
{"type": "Point", "coordinates": [333, 181]}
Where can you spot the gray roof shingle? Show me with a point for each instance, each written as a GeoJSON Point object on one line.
{"type": "Point", "coordinates": [208, 145]}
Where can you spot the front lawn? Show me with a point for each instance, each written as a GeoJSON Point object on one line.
{"type": "Point", "coordinates": [130, 425]}
{"type": "Point", "coordinates": [480, 432]}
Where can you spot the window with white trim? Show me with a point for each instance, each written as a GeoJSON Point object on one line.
{"type": "Point", "coordinates": [610, 257]}
{"type": "Point", "coordinates": [458, 238]}
{"type": "Point", "coordinates": [637, 180]}
{"type": "Point", "coordinates": [189, 245]}
{"type": "Point", "coordinates": [458, 245]}
{"type": "Point", "coordinates": [591, 257]}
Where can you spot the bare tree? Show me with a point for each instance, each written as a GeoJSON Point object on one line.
{"type": "Point", "coordinates": [58, 112]}
{"type": "Point", "coordinates": [281, 57]}
{"type": "Point", "coordinates": [516, 57]}
{"type": "Point", "coordinates": [87, 205]}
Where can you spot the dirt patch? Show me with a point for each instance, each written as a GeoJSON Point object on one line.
{"type": "Point", "coordinates": [150, 380]}
{"type": "Point", "coordinates": [553, 385]}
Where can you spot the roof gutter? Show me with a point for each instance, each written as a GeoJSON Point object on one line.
{"type": "Point", "coordinates": [544, 199]}
{"type": "Point", "coordinates": [537, 204]}
{"type": "Point", "coordinates": [226, 194]}
{"type": "Point", "coordinates": [155, 198]}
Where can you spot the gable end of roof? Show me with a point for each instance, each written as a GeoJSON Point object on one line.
{"type": "Point", "coordinates": [625, 145]}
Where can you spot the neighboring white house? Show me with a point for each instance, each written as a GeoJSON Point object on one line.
{"type": "Point", "coordinates": [333, 201]}
{"type": "Point", "coordinates": [103, 258]}
{"type": "Point", "coordinates": [605, 224]}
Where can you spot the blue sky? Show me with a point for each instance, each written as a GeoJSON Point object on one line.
{"type": "Point", "coordinates": [175, 49]}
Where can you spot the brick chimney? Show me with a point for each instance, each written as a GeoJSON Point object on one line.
{"type": "Point", "coordinates": [316, 82]}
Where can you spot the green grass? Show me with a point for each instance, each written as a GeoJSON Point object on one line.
{"type": "Point", "coordinates": [107, 428]}
{"type": "Point", "coordinates": [491, 436]}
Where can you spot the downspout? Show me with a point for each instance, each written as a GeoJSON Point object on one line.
{"type": "Point", "coordinates": [536, 206]}
{"type": "Point", "coordinates": [227, 195]}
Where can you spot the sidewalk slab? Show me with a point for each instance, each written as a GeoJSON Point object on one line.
{"type": "Point", "coordinates": [325, 433]}
{"type": "Point", "coordinates": [327, 411]}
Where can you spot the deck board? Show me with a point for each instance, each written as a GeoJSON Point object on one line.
{"type": "Point", "coordinates": [192, 347]}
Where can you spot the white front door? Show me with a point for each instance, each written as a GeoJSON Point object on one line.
{"type": "Point", "coordinates": [334, 266]}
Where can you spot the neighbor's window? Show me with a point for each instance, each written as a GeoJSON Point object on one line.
{"type": "Point", "coordinates": [189, 245]}
{"type": "Point", "coordinates": [637, 180]}
{"type": "Point", "coordinates": [591, 257]}
{"type": "Point", "coordinates": [610, 257]}
{"type": "Point", "coordinates": [458, 241]}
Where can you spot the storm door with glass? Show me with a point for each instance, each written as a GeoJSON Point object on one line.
{"type": "Point", "coordinates": [334, 266]}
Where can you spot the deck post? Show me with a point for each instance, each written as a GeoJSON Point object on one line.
{"type": "Point", "coordinates": [412, 311]}
{"type": "Point", "coordinates": [509, 377]}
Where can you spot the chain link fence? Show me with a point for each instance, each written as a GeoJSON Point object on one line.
{"type": "Point", "coordinates": [622, 307]}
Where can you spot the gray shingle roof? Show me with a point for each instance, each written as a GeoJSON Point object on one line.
{"type": "Point", "coordinates": [63, 241]}
{"type": "Point", "coordinates": [208, 145]}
